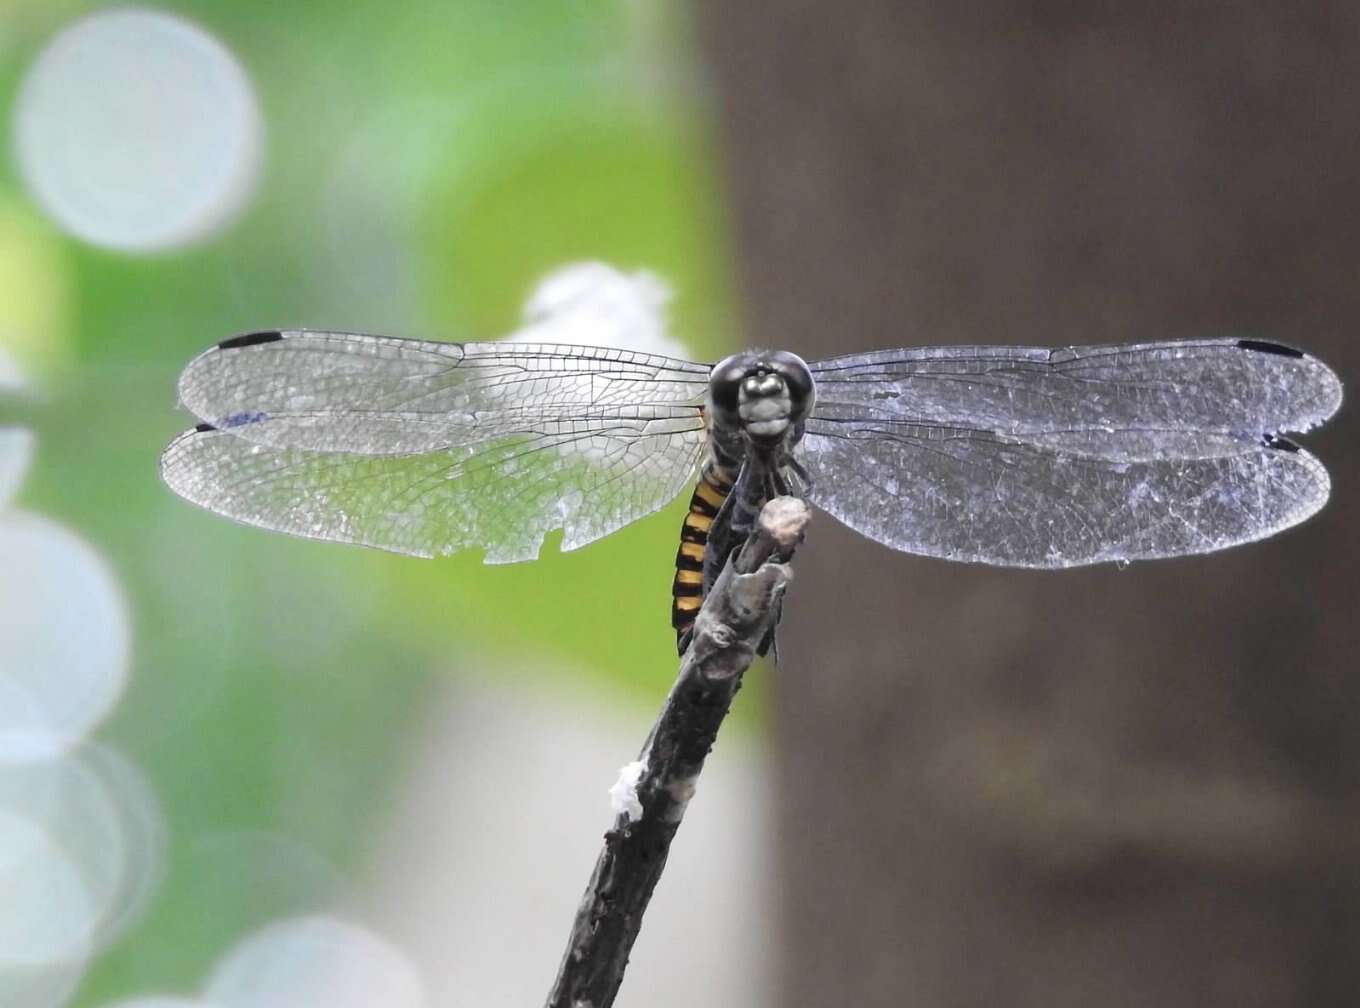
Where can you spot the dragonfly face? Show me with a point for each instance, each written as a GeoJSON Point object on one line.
{"type": "Point", "coordinates": [1015, 456]}
{"type": "Point", "coordinates": [764, 395]}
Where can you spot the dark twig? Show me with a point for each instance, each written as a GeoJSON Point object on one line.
{"type": "Point", "coordinates": [736, 616]}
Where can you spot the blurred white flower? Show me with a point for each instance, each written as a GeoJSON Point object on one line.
{"type": "Point", "coordinates": [593, 304]}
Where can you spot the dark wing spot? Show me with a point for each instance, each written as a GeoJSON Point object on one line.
{"type": "Point", "coordinates": [241, 419]}
{"type": "Point", "coordinates": [1261, 346]}
{"type": "Point", "coordinates": [250, 339]}
{"type": "Point", "coordinates": [203, 428]}
{"type": "Point", "coordinates": [1278, 443]}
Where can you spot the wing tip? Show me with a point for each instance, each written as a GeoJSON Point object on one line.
{"type": "Point", "coordinates": [251, 339]}
{"type": "Point", "coordinates": [189, 395]}
{"type": "Point", "coordinates": [1327, 388]}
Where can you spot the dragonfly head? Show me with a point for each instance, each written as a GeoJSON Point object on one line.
{"type": "Point", "coordinates": [763, 393]}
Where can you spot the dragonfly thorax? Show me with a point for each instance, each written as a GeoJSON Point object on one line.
{"type": "Point", "coordinates": [760, 397]}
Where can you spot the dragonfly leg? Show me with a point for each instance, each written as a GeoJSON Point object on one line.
{"type": "Point", "coordinates": [804, 477]}
{"type": "Point", "coordinates": [722, 537]}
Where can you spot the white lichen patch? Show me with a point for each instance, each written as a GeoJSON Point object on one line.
{"type": "Point", "coordinates": [623, 797]}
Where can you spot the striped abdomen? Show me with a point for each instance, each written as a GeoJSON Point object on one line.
{"type": "Point", "coordinates": [687, 591]}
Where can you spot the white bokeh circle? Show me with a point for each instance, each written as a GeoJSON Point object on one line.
{"type": "Point", "coordinates": [137, 131]}
{"type": "Point", "coordinates": [48, 915]}
{"type": "Point", "coordinates": [41, 987]}
{"type": "Point", "coordinates": [93, 816]}
{"type": "Point", "coordinates": [314, 961]}
{"type": "Point", "coordinates": [64, 638]}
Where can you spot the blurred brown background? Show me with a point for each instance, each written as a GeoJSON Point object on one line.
{"type": "Point", "coordinates": [1098, 787]}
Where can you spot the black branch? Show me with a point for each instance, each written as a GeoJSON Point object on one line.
{"type": "Point", "coordinates": [737, 614]}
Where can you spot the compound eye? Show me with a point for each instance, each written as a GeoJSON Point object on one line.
{"type": "Point", "coordinates": [724, 382]}
{"type": "Point", "coordinates": [798, 379]}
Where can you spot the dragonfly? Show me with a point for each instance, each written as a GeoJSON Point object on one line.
{"type": "Point", "coordinates": [1012, 456]}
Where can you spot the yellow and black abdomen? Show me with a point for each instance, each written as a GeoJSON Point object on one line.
{"type": "Point", "coordinates": [687, 591]}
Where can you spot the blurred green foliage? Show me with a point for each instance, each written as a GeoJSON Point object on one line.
{"type": "Point", "coordinates": [425, 164]}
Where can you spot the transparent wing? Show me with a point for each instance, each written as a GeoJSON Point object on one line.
{"type": "Point", "coordinates": [376, 395]}
{"type": "Point", "coordinates": [1054, 458]}
{"type": "Point", "coordinates": [1141, 400]}
{"type": "Point", "coordinates": [967, 495]}
{"type": "Point", "coordinates": [428, 448]}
